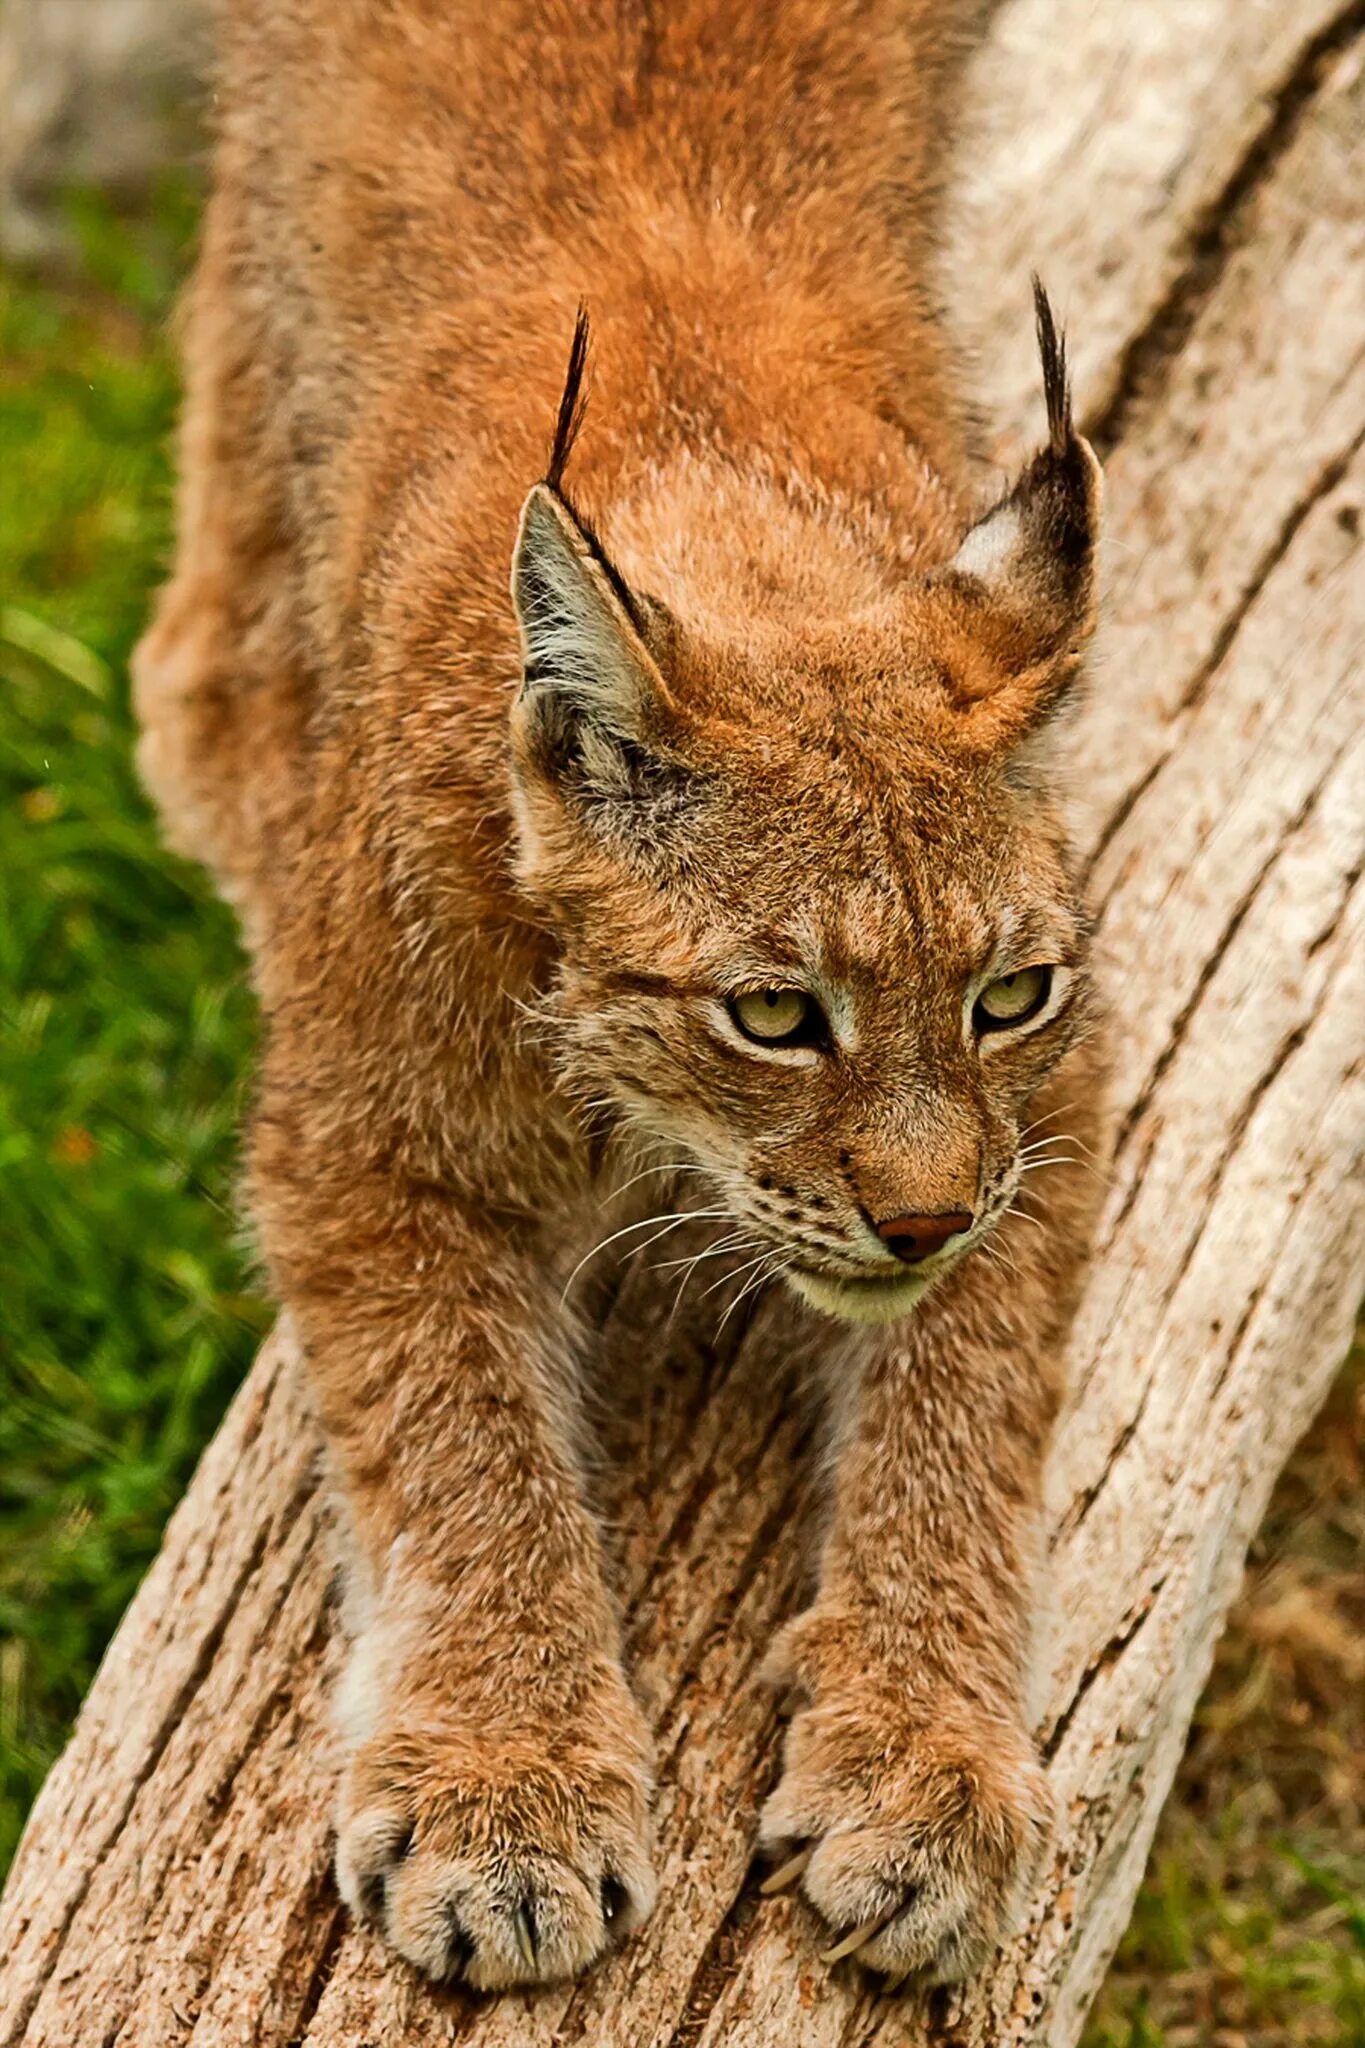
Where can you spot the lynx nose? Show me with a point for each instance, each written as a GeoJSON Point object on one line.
{"type": "Point", "coordinates": [912, 1238]}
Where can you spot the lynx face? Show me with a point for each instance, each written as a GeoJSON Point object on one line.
{"type": "Point", "coordinates": [818, 931]}
{"type": "Point", "coordinates": [836, 982]}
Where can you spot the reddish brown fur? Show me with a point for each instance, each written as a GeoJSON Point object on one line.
{"type": "Point", "coordinates": [777, 733]}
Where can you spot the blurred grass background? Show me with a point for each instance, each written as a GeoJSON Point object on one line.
{"type": "Point", "coordinates": [126, 1310]}
{"type": "Point", "coordinates": [125, 1026]}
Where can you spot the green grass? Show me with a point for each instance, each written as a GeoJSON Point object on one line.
{"type": "Point", "coordinates": [125, 1028]}
{"type": "Point", "coordinates": [125, 1312]}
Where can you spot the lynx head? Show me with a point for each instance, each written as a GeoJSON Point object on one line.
{"type": "Point", "coordinates": [819, 933]}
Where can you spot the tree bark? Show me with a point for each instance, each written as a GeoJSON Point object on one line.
{"type": "Point", "coordinates": [1181, 174]}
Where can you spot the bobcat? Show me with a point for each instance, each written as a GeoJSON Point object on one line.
{"type": "Point", "coordinates": [746, 790]}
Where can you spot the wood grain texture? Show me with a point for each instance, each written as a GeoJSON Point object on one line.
{"type": "Point", "coordinates": [1183, 175]}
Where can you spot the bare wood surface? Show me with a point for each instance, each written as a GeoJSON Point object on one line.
{"type": "Point", "coordinates": [173, 1885]}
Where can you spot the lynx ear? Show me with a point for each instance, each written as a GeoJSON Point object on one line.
{"type": "Point", "coordinates": [591, 697]}
{"type": "Point", "coordinates": [1021, 587]}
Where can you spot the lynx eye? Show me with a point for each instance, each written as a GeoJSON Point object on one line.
{"type": "Point", "coordinates": [1013, 999]}
{"type": "Point", "coordinates": [778, 1016]}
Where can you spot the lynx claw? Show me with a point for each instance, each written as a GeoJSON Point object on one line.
{"type": "Point", "coordinates": [787, 1874]}
{"type": "Point", "coordinates": [526, 1936]}
{"type": "Point", "coordinates": [859, 1938]}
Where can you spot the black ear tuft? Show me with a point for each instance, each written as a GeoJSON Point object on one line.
{"type": "Point", "coordinates": [1024, 578]}
{"type": "Point", "coordinates": [572, 405]}
{"type": "Point", "coordinates": [1056, 383]}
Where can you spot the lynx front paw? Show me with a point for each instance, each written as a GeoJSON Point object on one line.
{"type": "Point", "coordinates": [509, 1855]}
{"type": "Point", "coordinates": [912, 1839]}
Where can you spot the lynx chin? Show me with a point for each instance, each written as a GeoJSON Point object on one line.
{"type": "Point", "coordinates": [632, 754]}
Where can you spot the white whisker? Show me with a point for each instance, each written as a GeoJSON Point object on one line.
{"type": "Point", "coordinates": [769, 1271]}
{"type": "Point", "coordinates": [738, 1243]}
{"type": "Point", "coordinates": [637, 1250]}
{"type": "Point", "coordinates": [999, 1256]}
{"type": "Point", "coordinates": [669, 1218]}
{"type": "Point", "coordinates": [1064, 1159]}
{"type": "Point", "coordinates": [716, 1249]}
{"type": "Point", "coordinates": [1065, 1110]}
{"type": "Point", "coordinates": [1023, 1215]}
{"type": "Point", "coordinates": [671, 1166]}
{"type": "Point", "coordinates": [735, 1274]}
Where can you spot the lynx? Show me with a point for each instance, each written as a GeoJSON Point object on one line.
{"type": "Point", "coordinates": [635, 752]}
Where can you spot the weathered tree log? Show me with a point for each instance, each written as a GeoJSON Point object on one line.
{"type": "Point", "coordinates": [1182, 174]}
